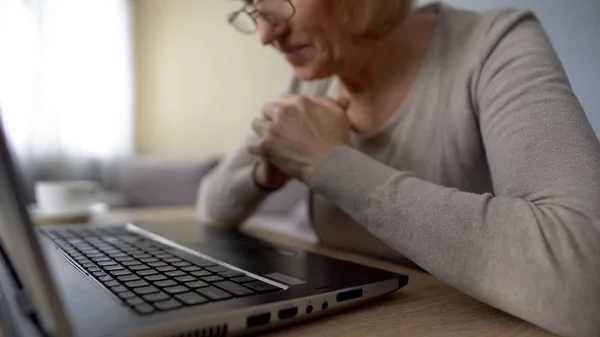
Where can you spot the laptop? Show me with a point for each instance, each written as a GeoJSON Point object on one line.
{"type": "Point", "coordinates": [149, 280]}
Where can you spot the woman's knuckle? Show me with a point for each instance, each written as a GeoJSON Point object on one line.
{"type": "Point", "coordinates": [285, 111]}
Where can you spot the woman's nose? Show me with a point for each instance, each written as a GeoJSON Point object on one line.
{"type": "Point", "coordinates": [269, 32]}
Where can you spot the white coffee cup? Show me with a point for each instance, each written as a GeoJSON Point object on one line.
{"type": "Point", "coordinates": [67, 196]}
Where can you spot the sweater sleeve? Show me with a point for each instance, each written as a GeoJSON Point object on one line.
{"type": "Point", "coordinates": [531, 249]}
{"type": "Point", "coordinates": [229, 195]}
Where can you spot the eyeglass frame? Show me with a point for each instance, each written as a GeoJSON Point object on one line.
{"type": "Point", "coordinates": [251, 13]}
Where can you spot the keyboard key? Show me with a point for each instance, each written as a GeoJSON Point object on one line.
{"type": "Point", "coordinates": [88, 265]}
{"type": "Point", "coordinates": [165, 283]}
{"type": "Point", "coordinates": [191, 298]}
{"type": "Point", "coordinates": [118, 289]}
{"type": "Point", "coordinates": [116, 254]}
{"type": "Point", "coordinates": [217, 269]}
{"type": "Point", "coordinates": [139, 267]}
{"type": "Point", "coordinates": [135, 301]}
{"type": "Point", "coordinates": [131, 251]}
{"type": "Point", "coordinates": [126, 295]}
{"type": "Point", "coordinates": [105, 278]}
{"type": "Point", "coordinates": [176, 290]}
{"type": "Point", "coordinates": [146, 272]}
{"type": "Point", "coordinates": [157, 264]}
{"type": "Point", "coordinates": [149, 259]}
{"type": "Point", "coordinates": [115, 267]}
{"type": "Point", "coordinates": [141, 256]}
{"type": "Point", "coordinates": [128, 278]}
{"type": "Point", "coordinates": [153, 278]}
{"type": "Point", "coordinates": [203, 263]}
{"type": "Point", "coordinates": [191, 268]}
{"type": "Point", "coordinates": [175, 273]}
{"type": "Point", "coordinates": [101, 259]}
{"type": "Point", "coordinates": [168, 305]}
{"type": "Point", "coordinates": [172, 259]}
{"type": "Point", "coordinates": [243, 279]}
{"type": "Point", "coordinates": [95, 255]}
{"type": "Point", "coordinates": [200, 273]}
{"type": "Point", "coordinates": [107, 263]}
{"type": "Point", "coordinates": [146, 290]}
{"type": "Point", "coordinates": [164, 256]}
{"type": "Point", "coordinates": [136, 284]}
{"type": "Point", "coordinates": [112, 283]}
{"type": "Point", "coordinates": [144, 309]}
{"type": "Point", "coordinates": [261, 287]}
{"type": "Point", "coordinates": [165, 268]}
{"type": "Point", "coordinates": [131, 263]}
{"type": "Point", "coordinates": [211, 279]}
{"type": "Point", "coordinates": [99, 273]}
{"type": "Point", "coordinates": [181, 264]}
{"type": "Point", "coordinates": [231, 274]}
{"type": "Point", "coordinates": [214, 294]}
{"type": "Point", "coordinates": [196, 284]}
{"type": "Point", "coordinates": [93, 269]}
{"type": "Point", "coordinates": [234, 288]}
{"type": "Point", "coordinates": [119, 272]}
{"type": "Point", "coordinates": [186, 278]}
{"type": "Point", "coordinates": [124, 258]}
{"type": "Point", "coordinates": [157, 297]}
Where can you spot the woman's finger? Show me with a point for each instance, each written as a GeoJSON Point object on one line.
{"type": "Point", "coordinates": [259, 125]}
{"type": "Point", "coordinates": [259, 148]}
{"type": "Point", "coordinates": [270, 110]}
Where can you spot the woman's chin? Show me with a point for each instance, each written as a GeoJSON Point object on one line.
{"type": "Point", "coordinates": [309, 73]}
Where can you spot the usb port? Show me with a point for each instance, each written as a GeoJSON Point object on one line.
{"type": "Point", "coordinates": [349, 295]}
{"type": "Point", "coordinates": [258, 320]}
{"type": "Point", "coordinates": [288, 313]}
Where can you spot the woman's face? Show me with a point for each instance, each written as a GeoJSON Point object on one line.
{"type": "Point", "coordinates": [311, 41]}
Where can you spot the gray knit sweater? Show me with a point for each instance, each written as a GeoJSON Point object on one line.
{"type": "Point", "coordinates": [488, 176]}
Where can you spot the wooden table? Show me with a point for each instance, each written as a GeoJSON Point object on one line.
{"type": "Point", "coordinates": [426, 307]}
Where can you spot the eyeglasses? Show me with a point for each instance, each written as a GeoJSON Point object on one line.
{"type": "Point", "coordinates": [276, 12]}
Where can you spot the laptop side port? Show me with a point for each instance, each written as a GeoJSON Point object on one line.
{"type": "Point", "coordinates": [349, 295]}
{"type": "Point", "coordinates": [258, 320]}
{"type": "Point", "coordinates": [288, 313]}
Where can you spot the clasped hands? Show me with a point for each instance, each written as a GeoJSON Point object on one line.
{"type": "Point", "coordinates": [294, 134]}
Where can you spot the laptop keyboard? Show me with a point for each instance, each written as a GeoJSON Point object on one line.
{"type": "Point", "coordinates": [148, 278]}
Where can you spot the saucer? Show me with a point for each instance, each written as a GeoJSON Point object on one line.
{"type": "Point", "coordinates": [63, 216]}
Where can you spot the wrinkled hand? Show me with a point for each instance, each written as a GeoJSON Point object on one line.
{"type": "Point", "coordinates": [296, 132]}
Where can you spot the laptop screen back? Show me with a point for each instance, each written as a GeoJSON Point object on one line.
{"type": "Point", "coordinates": [20, 243]}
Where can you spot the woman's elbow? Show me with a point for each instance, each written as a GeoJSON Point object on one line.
{"type": "Point", "coordinates": [572, 308]}
{"type": "Point", "coordinates": [576, 311]}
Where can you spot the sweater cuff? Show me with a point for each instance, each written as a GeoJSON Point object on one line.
{"type": "Point", "coordinates": [253, 191]}
{"type": "Point", "coordinates": [348, 178]}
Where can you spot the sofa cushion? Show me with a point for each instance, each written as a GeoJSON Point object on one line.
{"type": "Point", "coordinates": [161, 182]}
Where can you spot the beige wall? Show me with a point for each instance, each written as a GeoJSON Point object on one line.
{"type": "Point", "coordinates": [199, 82]}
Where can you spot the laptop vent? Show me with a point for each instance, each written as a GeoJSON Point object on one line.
{"type": "Point", "coordinates": [213, 331]}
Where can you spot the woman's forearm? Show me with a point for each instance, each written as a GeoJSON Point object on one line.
{"type": "Point", "coordinates": [229, 194]}
{"type": "Point", "coordinates": [535, 258]}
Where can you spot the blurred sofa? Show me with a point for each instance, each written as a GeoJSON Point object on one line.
{"type": "Point", "coordinates": [173, 182]}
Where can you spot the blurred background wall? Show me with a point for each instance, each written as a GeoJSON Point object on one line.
{"type": "Point", "coordinates": [199, 82]}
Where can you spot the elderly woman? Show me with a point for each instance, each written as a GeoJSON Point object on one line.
{"type": "Point", "coordinates": [440, 136]}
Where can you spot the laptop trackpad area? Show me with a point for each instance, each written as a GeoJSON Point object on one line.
{"type": "Point", "coordinates": [256, 259]}
{"type": "Point", "coordinates": [252, 255]}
